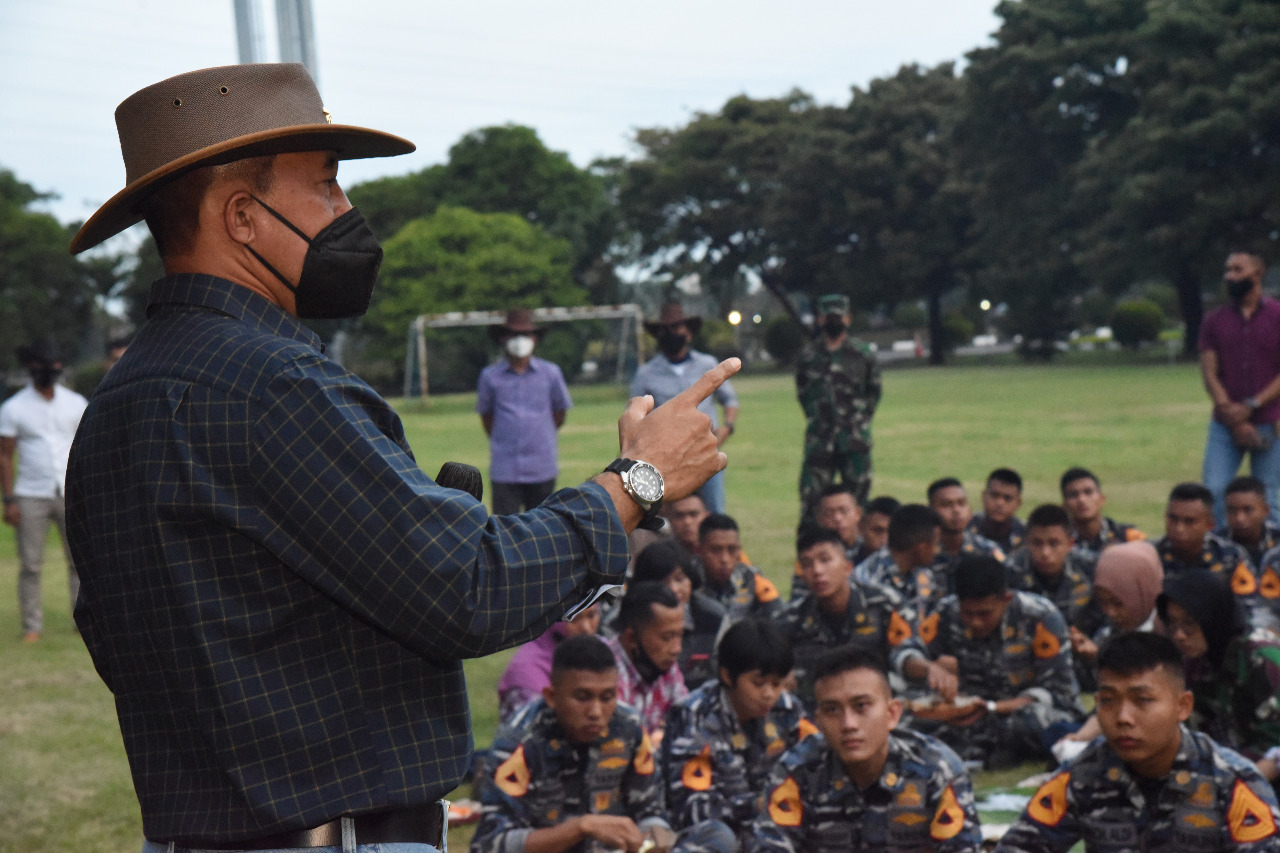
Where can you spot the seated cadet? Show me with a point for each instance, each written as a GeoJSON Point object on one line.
{"type": "Point", "coordinates": [864, 785]}
{"type": "Point", "coordinates": [723, 738]}
{"type": "Point", "coordinates": [1149, 784]}
{"type": "Point", "coordinates": [905, 565]}
{"type": "Point", "coordinates": [837, 510]}
{"type": "Point", "coordinates": [1083, 499]}
{"type": "Point", "coordinates": [1000, 501]}
{"type": "Point", "coordinates": [1233, 672]}
{"type": "Point", "coordinates": [575, 771]}
{"type": "Point", "coordinates": [647, 648]}
{"type": "Point", "coordinates": [1011, 651]}
{"type": "Point", "coordinates": [741, 588]}
{"type": "Point", "coordinates": [839, 612]}
{"type": "Point", "coordinates": [529, 671]}
{"type": "Point", "coordinates": [1047, 565]}
{"type": "Point", "coordinates": [949, 500]}
{"type": "Point", "coordinates": [683, 518]}
{"type": "Point", "coordinates": [678, 570]}
{"type": "Point", "coordinates": [873, 530]}
{"type": "Point", "coordinates": [1249, 523]}
{"type": "Point", "coordinates": [1189, 541]}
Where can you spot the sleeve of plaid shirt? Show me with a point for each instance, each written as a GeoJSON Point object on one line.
{"type": "Point", "coordinates": [355, 515]}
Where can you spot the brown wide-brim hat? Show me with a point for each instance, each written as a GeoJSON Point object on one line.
{"type": "Point", "coordinates": [672, 313]}
{"type": "Point", "coordinates": [519, 322]}
{"type": "Point", "coordinates": [220, 115]}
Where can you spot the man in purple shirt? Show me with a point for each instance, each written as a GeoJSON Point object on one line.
{"type": "Point", "coordinates": [1240, 361]}
{"type": "Point", "coordinates": [521, 401]}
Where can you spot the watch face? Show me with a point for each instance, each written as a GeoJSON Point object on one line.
{"type": "Point", "coordinates": [646, 481]}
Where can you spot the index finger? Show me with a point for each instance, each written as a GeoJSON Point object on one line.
{"type": "Point", "coordinates": [707, 383]}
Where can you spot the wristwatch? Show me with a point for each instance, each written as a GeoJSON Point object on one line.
{"type": "Point", "coordinates": [644, 484]}
{"type": "Point", "coordinates": [1252, 402]}
{"type": "Point", "coordinates": [991, 707]}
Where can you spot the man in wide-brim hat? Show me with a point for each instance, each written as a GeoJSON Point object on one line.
{"type": "Point", "coordinates": [676, 366]}
{"type": "Point", "coordinates": [276, 594]}
{"type": "Point", "coordinates": [522, 401]}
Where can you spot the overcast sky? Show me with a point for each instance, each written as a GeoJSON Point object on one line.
{"type": "Point", "coordinates": [585, 75]}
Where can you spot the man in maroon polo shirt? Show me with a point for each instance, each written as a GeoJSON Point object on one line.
{"type": "Point", "coordinates": [1240, 362]}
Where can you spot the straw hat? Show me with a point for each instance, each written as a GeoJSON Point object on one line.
{"type": "Point", "coordinates": [219, 115]}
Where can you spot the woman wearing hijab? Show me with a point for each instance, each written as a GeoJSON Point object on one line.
{"type": "Point", "coordinates": [674, 567]}
{"type": "Point", "coordinates": [1234, 673]}
{"type": "Point", "coordinates": [1126, 583]}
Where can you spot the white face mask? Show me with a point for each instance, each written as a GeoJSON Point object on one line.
{"type": "Point", "coordinates": [521, 346]}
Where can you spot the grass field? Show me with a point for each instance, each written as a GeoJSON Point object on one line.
{"type": "Point", "coordinates": [64, 782]}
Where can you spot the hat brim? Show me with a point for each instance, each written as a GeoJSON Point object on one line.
{"type": "Point", "coordinates": [498, 332]}
{"type": "Point", "coordinates": [693, 324]}
{"type": "Point", "coordinates": [349, 141]}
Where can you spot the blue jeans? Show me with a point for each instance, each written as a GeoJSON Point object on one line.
{"type": "Point", "coordinates": [712, 493]}
{"type": "Point", "coordinates": [1222, 459]}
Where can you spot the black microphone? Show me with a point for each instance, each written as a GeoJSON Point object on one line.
{"type": "Point", "coordinates": [463, 477]}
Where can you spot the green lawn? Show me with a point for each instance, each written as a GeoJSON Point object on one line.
{"type": "Point", "coordinates": [64, 783]}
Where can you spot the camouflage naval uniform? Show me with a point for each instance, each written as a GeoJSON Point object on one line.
{"type": "Point", "coordinates": [1212, 800]}
{"type": "Point", "coordinates": [1238, 702]}
{"type": "Point", "coordinates": [1110, 533]}
{"type": "Point", "coordinates": [1269, 589]}
{"type": "Point", "coordinates": [838, 390]}
{"type": "Point", "coordinates": [1028, 654]}
{"type": "Point", "coordinates": [747, 593]}
{"type": "Point", "coordinates": [877, 618]}
{"type": "Point", "coordinates": [1269, 539]}
{"type": "Point", "coordinates": [971, 543]}
{"type": "Point", "coordinates": [1230, 562]}
{"type": "Point", "coordinates": [534, 778]}
{"type": "Point", "coordinates": [1073, 596]}
{"type": "Point", "coordinates": [715, 766]}
{"type": "Point", "coordinates": [857, 552]}
{"type": "Point", "coordinates": [922, 801]}
{"type": "Point", "coordinates": [1011, 541]}
{"type": "Point", "coordinates": [919, 588]}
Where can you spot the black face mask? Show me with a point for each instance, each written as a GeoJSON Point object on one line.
{"type": "Point", "coordinates": [1238, 289]}
{"type": "Point", "coordinates": [339, 270]}
{"type": "Point", "coordinates": [833, 326]}
{"type": "Point", "coordinates": [671, 343]}
{"type": "Point", "coordinates": [44, 375]}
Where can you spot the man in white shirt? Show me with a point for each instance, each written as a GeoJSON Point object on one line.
{"type": "Point", "coordinates": [37, 425]}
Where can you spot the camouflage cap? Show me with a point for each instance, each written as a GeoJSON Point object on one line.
{"type": "Point", "coordinates": [833, 303]}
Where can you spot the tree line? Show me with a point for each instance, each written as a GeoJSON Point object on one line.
{"type": "Point", "coordinates": [1094, 150]}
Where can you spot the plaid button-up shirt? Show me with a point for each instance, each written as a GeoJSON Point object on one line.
{"type": "Point", "coordinates": [274, 591]}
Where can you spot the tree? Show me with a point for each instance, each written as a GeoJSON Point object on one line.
{"type": "Point", "coordinates": [460, 260]}
{"type": "Point", "coordinates": [508, 170]}
{"type": "Point", "coordinates": [44, 291]}
{"type": "Point", "coordinates": [1135, 322]}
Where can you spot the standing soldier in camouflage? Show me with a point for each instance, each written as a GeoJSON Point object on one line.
{"type": "Point", "coordinates": [838, 383]}
{"type": "Point", "coordinates": [1151, 784]}
{"type": "Point", "coordinates": [865, 785]}
{"type": "Point", "coordinates": [575, 771]}
{"type": "Point", "coordinates": [1012, 652]}
{"type": "Point", "coordinates": [722, 740]}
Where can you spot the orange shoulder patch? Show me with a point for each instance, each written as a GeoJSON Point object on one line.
{"type": "Point", "coordinates": [899, 629]}
{"type": "Point", "coordinates": [643, 762]}
{"type": "Point", "coordinates": [807, 728]}
{"type": "Point", "coordinates": [512, 775]}
{"type": "Point", "coordinates": [1243, 581]}
{"type": "Point", "coordinates": [1248, 817]}
{"type": "Point", "coordinates": [765, 590]}
{"type": "Point", "coordinates": [929, 628]}
{"type": "Point", "coordinates": [1133, 534]}
{"type": "Point", "coordinates": [1270, 584]}
{"type": "Point", "coordinates": [1049, 804]}
{"type": "Point", "coordinates": [948, 820]}
{"type": "Point", "coordinates": [696, 775]}
{"type": "Point", "coordinates": [785, 807]}
{"type": "Point", "coordinates": [1045, 644]}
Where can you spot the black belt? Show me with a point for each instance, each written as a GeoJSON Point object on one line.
{"type": "Point", "coordinates": [418, 825]}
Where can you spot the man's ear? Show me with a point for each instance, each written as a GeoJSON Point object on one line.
{"type": "Point", "coordinates": [549, 695]}
{"type": "Point", "coordinates": [238, 219]}
{"type": "Point", "coordinates": [1186, 702]}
